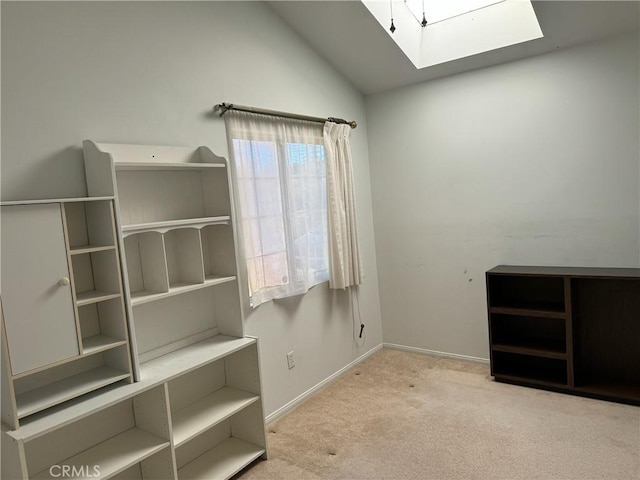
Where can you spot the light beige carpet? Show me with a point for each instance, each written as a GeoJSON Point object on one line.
{"type": "Point", "coordinates": [400, 415]}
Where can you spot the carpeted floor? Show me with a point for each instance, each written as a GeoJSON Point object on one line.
{"type": "Point", "coordinates": [400, 415]}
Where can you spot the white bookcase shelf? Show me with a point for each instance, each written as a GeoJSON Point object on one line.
{"type": "Point", "coordinates": [209, 411]}
{"type": "Point", "coordinates": [167, 225]}
{"type": "Point", "coordinates": [180, 268]}
{"type": "Point", "coordinates": [55, 393]}
{"type": "Point", "coordinates": [193, 356]}
{"type": "Point", "coordinates": [114, 455]}
{"type": "Point", "coordinates": [222, 461]}
{"type": "Point", "coordinates": [128, 429]}
{"type": "Point", "coordinates": [213, 407]}
{"type": "Point", "coordinates": [144, 166]}
{"type": "Point", "coordinates": [99, 343]}
{"type": "Point", "coordinates": [176, 220]}
{"type": "Point", "coordinates": [65, 257]}
{"type": "Point", "coordinates": [142, 296]}
{"type": "Point", "coordinates": [216, 426]}
{"type": "Point", "coordinates": [152, 296]}
{"type": "Point", "coordinates": [81, 249]}
{"type": "Point", "coordinates": [93, 296]}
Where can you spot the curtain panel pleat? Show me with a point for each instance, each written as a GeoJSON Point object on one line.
{"type": "Point", "coordinates": [345, 266]}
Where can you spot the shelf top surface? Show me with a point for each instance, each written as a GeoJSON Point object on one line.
{"type": "Point", "coordinates": [142, 297]}
{"type": "Point", "coordinates": [54, 200]}
{"type": "Point", "coordinates": [55, 393]}
{"type": "Point", "coordinates": [222, 461]}
{"type": "Point", "coordinates": [166, 225]}
{"type": "Point", "coordinates": [129, 153]}
{"type": "Point", "coordinates": [587, 272]}
{"type": "Point", "coordinates": [191, 357]}
{"type": "Point", "coordinates": [115, 454]}
{"type": "Point", "coordinates": [160, 166]}
{"type": "Point", "coordinates": [208, 411]}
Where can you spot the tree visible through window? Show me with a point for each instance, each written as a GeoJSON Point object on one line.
{"type": "Point", "coordinates": [280, 172]}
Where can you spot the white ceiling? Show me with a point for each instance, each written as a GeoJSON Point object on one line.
{"type": "Point", "coordinates": [349, 37]}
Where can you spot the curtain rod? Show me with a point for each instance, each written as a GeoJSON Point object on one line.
{"type": "Point", "coordinates": [225, 107]}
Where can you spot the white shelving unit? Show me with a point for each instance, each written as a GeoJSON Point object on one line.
{"type": "Point", "coordinates": [64, 327]}
{"type": "Point", "coordinates": [195, 408]}
{"type": "Point", "coordinates": [196, 418]}
{"type": "Point", "coordinates": [104, 443]}
{"type": "Point", "coordinates": [213, 405]}
{"type": "Point", "coordinates": [175, 218]}
{"type": "Point", "coordinates": [194, 411]}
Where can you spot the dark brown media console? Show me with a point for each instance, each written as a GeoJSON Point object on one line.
{"type": "Point", "coordinates": [568, 329]}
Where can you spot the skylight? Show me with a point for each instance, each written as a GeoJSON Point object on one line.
{"type": "Point", "coordinates": [455, 28]}
{"type": "Point", "coordinates": [439, 10]}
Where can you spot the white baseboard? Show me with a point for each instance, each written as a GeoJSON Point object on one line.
{"type": "Point", "coordinates": [435, 353]}
{"type": "Point", "coordinates": [302, 397]}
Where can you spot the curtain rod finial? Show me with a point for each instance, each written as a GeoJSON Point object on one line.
{"type": "Point", "coordinates": [222, 107]}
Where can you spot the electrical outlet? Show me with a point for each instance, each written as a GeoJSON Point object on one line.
{"type": "Point", "coordinates": [290, 361]}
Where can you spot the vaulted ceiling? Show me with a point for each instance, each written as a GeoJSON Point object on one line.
{"type": "Point", "coordinates": [349, 37]}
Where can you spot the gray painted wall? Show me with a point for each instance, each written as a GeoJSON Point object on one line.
{"type": "Point", "coordinates": [530, 162]}
{"type": "Point", "coordinates": [150, 73]}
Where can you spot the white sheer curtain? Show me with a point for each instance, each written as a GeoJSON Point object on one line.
{"type": "Point", "coordinates": [279, 169]}
{"type": "Point", "coordinates": [345, 267]}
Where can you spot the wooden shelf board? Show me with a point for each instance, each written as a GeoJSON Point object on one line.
{"type": "Point", "coordinates": [94, 296]}
{"type": "Point", "coordinates": [222, 461]}
{"type": "Point", "coordinates": [143, 296]}
{"type": "Point", "coordinates": [527, 311]}
{"type": "Point", "coordinates": [115, 454]}
{"type": "Point", "coordinates": [536, 351]}
{"type": "Point", "coordinates": [191, 357]}
{"type": "Point", "coordinates": [575, 272]}
{"type": "Point", "coordinates": [98, 343]}
{"type": "Point", "coordinates": [215, 278]}
{"type": "Point", "coordinates": [207, 412]}
{"type": "Point", "coordinates": [79, 250]}
{"type": "Point", "coordinates": [601, 390]}
{"type": "Point", "coordinates": [55, 200]}
{"type": "Point", "coordinates": [159, 166]}
{"type": "Point", "coordinates": [611, 389]}
{"type": "Point", "coordinates": [68, 412]}
{"type": "Point", "coordinates": [49, 395]}
{"type": "Point", "coordinates": [172, 224]}
{"type": "Point", "coordinates": [544, 381]}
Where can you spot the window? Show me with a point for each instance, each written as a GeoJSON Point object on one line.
{"type": "Point", "coordinates": [280, 173]}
